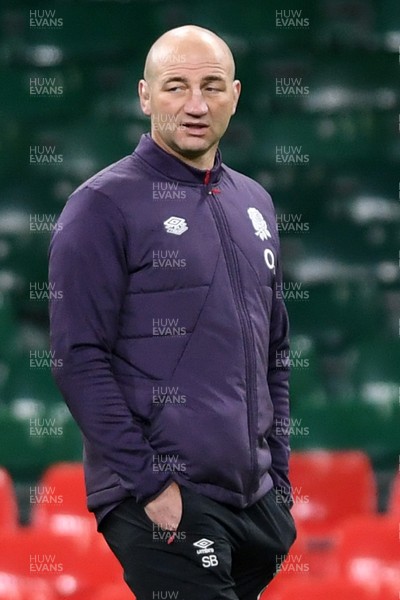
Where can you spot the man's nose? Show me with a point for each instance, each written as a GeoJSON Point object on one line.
{"type": "Point", "coordinates": [195, 104]}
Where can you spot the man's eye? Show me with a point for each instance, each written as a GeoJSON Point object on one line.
{"type": "Point", "coordinates": [175, 88]}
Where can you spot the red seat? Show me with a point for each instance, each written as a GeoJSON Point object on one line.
{"type": "Point", "coordinates": [329, 486]}
{"type": "Point", "coordinates": [394, 497]}
{"type": "Point", "coordinates": [13, 587]}
{"type": "Point", "coordinates": [117, 591]}
{"type": "Point", "coordinates": [8, 502]}
{"type": "Point", "coordinates": [10, 588]}
{"type": "Point", "coordinates": [103, 566]}
{"type": "Point", "coordinates": [64, 562]}
{"type": "Point", "coordinates": [59, 502]}
{"type": "Point", "coordinates": [329, 589]}
{"type": "Point", "coordinates": [40, 555]}
{"type": "Point", "coordinates": [368, 553]}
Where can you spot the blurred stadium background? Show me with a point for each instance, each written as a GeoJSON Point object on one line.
{"type": "Point", "coordinates": [318, 126]}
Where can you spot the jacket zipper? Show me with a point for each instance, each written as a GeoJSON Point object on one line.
{"type": "Point", "coordinates": [246, 327]}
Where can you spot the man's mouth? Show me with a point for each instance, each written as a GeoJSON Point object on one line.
{"type": "Point", "coordinates": [195, 128]}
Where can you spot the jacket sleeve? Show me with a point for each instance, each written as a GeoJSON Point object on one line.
{"type": "Point", "coordinates": [87, 263]}
{"type": "Point", "coordinates": [278, 381]}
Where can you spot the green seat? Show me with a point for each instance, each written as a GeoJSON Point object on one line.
{"type": "Point", "coordinates": [114, 89]}
{"type": "Point", "coordinates": [237, 146]}
{"type": "Point", "coordinates": [306, 384]}
{"type": "Point", "coordinates": [340, 27]}
{"type": "Point", "coordinates": [34, 93]}
{"type": "Point", "coordinates": [352, 425]}
{"type": "Point", "coordinates": [336, 305]}
{"type": "Point", "coordinates": [259, 26]}
{"type": "Point", "coordinates": [346, 81]}
{"type": "Point", "coordinates": [302, 141]}
{"type": "Point", "coordinates": [87, 146]}
{"type": "Point", "coordinates": [377, 372]}
{"type": "Point", "coordinates": [8, 323]}
{"type": "Point", "coordinates": [32, 442]}
{"type": "Point", "coordinates": [285, 77]}
{"type": "Point", "coordinates": [365, 197]}
{"type": "Point", "coordinates": [337, 253]}
{"type": "Point", "coordinates": [14, 237]}
{"type": "Point", "coordinates": [387, 20]}
{"type": "Point", "coordinates": [30, 364]}
{"type": "Point", "coordinates": [12, 146]}
{"type": "Point", "coordinates": [49, 35]}
{"type": "Point", "coordinates": [24, 246]}
{"type": "Point", "coordinates": [339, 315]}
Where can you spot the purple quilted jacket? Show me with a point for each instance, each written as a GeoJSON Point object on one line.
{"type": "Point", "coordinates": [172, 340]}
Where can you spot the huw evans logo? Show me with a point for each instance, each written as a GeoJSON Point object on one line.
{"type": "Point", "coordinates": [169, 463]}
{"type": "Point", "coordinates": [166, 594]}
{"type": "Point", "coordinates": [165, 122]}
{"type": "Point", "coordinates": [292, 563]}
{"type": "Point", "coordinates": [44, 222]}
{"type": "Point", "coordinates": [168, 327]}
{"type": "Point", "coordinates": [291, 155]}
{"type": "Point", "coordinates": [43, 290]}
{"type": "Point", "coordinates": [44, 427]}
{"type": "Point", "coordinates": [44, 494]}
{"type": "Point", "coordinates": [297, 494]}
{"type": "Point", "coordinates": [291, 86]}
{"type": "Point", "coordinates": [163, 395]}
{"type": "Point", "coordinates": [44, 155]}
{"type": "Point", "coordinates": [168, 259]}
{"type": "Point", "coordinates": [165, 533]}
{"type": "Point", "coordinates": [168, 190]}
{"type": "Point", "coordinates": [44, 563]}
{"type": "Point", "coordinates": [291, 290]}
{"type": "Point", "coordinates": [173, 57]}
{"type": "Point", "coordinates": [291, 19]}
{"type": "Point", "coordinates": [45, 19]}
{"type": "Point", "coordinates": [292, 359]}
{"type": "Point", "coordinates": [293, 222]}
{"type": "Point", "coordinates": [288, 426]}
{"type": "Point", "coordinates": [44, 359]}
{"type": "Point", "coordinates": [45, 86]}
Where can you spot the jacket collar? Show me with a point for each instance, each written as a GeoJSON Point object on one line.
{"type": "Point", "coordinates": [174, 168]}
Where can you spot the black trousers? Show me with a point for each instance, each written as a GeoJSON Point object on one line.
{"type": "Point", "coordinates": [218, 552]}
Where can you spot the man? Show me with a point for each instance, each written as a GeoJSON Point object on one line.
{"type": "Point", "coordinates": [174, 343]}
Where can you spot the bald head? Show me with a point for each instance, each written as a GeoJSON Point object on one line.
{"type": "Point", "coordinates": [174, 46]}
{"type": "Point", "coordinates": [189, 92]}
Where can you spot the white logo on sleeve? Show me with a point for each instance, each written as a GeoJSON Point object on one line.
{"type": "Point", "coordinates": [175, 225]}
{"type": "Point", "coordinates": [210, 559]}
{"type": "Point", "coordinates": [259, 223]}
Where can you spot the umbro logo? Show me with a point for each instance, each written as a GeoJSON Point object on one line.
{"type": "Point", "coordinates": [259, 223]}
{"type": "Point", "coordinates": [203, 543]}
{"type": "Point", "coordinates": [208, 558]}
{"type": "Point", "coordinates": [175, 225]}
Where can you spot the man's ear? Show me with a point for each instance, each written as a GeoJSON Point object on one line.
{"type": "Point", "coordinates": [144, 96]}
{"type": "Point", "coordinates": [237, 87]}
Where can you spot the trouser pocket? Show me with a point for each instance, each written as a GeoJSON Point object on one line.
{"type": "Point", "coordinates": [272, 518]}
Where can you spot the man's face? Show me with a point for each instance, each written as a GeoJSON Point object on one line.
{"type": "Point", "coordinates": [191, 97]}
